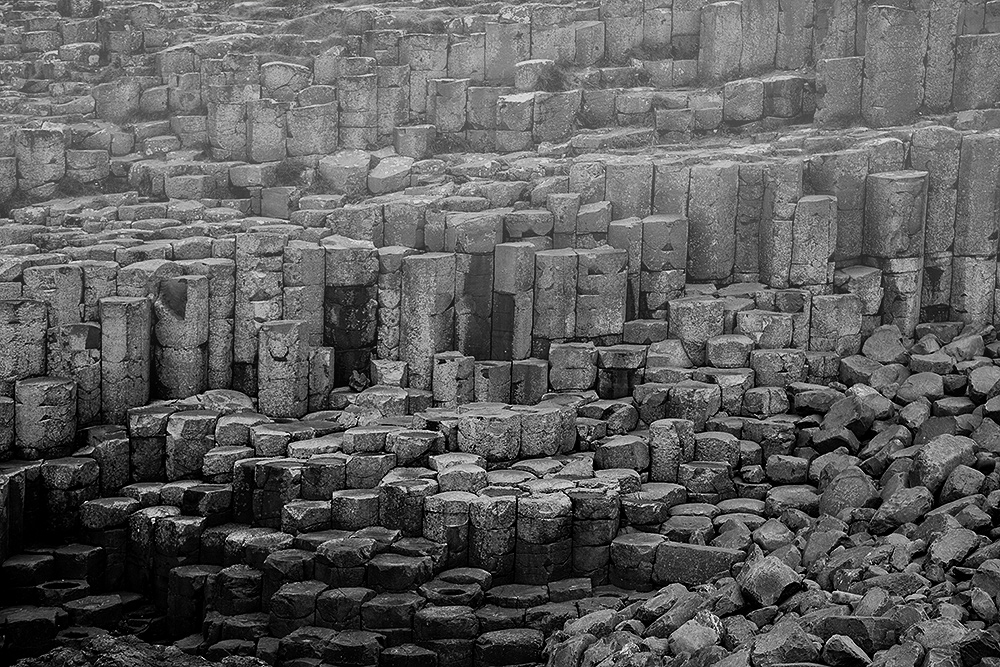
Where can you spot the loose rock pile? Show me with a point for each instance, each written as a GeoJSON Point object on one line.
{"type": "Point", "coordinates": [581, 335]}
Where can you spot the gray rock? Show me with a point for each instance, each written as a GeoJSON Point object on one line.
{"type": "Point", "coordinates": [906, 505]}
{"type": "Point", "coordinates": [939, 457]}
{"type": "Point", "coordinates": [768, 580]}
{"type": "Point", "coordinates": [851, 488]}
{"type": "Point", "coordinates": [841, 651]}
{"type": "Point", "coordinates": [885, 345]}
{"type": "Point", "coordinates": [787, 642]}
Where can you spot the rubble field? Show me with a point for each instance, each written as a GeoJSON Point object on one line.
{"type": "Point", "coordinates": [612, 333]}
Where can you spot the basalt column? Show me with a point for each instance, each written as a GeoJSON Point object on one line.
{"type": "Point", "coordinates": [350, 304]}
{"type": "Point", "coordinates": [602, 285]}
{"type": "Point", "coordinates": [814, 240]}
{"type": "Point", "coordinates": [45, 417]}
{"type": "Point", "coordinates": [303, 271]}
{"type": "Point", "coordinates": [555, 298]}
{"type": "Point", "coordinates": [227, 119]}
{"type": "Point", "coordinates": [473, 238]}
{"type": "Point", "coordinates": [390, 295]}
{"type": "Point", "coordinates": [221, 275]}
{"type": "Point", "coordinates": [23, 326]}
{"type": "Point", "coordinates": [977, 226]}
{"type": "Point", "coordinates": [664, 263]}
{"type": "Point", "coordinates": [783, 187]}
{"type": "Point", "coordinates": [41, 159]}
{"type": "Point", "coordinates": [895, 208]}
{"type": "Point", "coordinates": [74, 351]}
{"type": "Point", "coordinates": [513, 298]}
{"type": "Point", "coordinates": [61, 287]}
{"type": "Point", "coordinates": [712, 221]}
{"type": "Point", "coordinates": [259, 299]}
{"type": "Point", "coordinates": [180, 332]}
{"type": "Point", "coordinates": [842, 175]}
{"type": "Point", "coordinates": [126, 357]}
{"type": "Point", "coordinates": [894, 66]}
{"type": "Point", "coordinates": [936, 150]}
{"type": "Point", "coordinates": [283, 369]}
{"type": "Point", "coordinates": [492, 521]}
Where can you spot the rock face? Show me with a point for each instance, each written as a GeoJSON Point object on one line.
{"type": "Point", "coordinates": [609, 333]}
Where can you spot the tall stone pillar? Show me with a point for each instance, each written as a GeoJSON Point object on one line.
{"type": "Point", "coordinates": [428, 300]}
{"type": "Point", "coordinates": [814, 240]}
{"type": "Point", "coordinates": [977, 225]}
{"type": "Point", "coordinates": [259, 299]}
{"type": "Point", "coordinates": [473, 237]}
{"type": "Point", "coordinates": [894, 66]}
{"type": "Point", "coordinates": [180, 337]}
{"type": "Point", "coordinates": [663, 268]}
{"type": "Point", "coordinates": [221, 275]}
{"type": "Point", "coordinates": [390, 295]}
{"type": "Point", "coordinates": [227, 119]}
{"type": "Point", "coordinates": [41, 159]}
{"type": "Point", "coordinates": [936, 150]}
{"type": "Point", "coordinates": [303, 270]}
{"type": "Point", "coordinates": [44, 417]}
{"type": "Point", "coordinates": [350, 304]}
{"type": "Point", "coordinates": [513, 296]}
{"type": "Point", "coordinates": [714, 192]}
{"type": "Point", "coordinates": [74, 352]}
{"type": "Point", "coordinates": [601, 293]}
{"type": "Point", "coordinates": [23, 326]}
{"type": "Point", "coordinates": [283, 369]}
{"type": "Point", "coordinates": [126, 357]}
{"type": "Point", "coordinates": [555, 298]}
{"type": "Point", "coordinates": [60, 286]}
